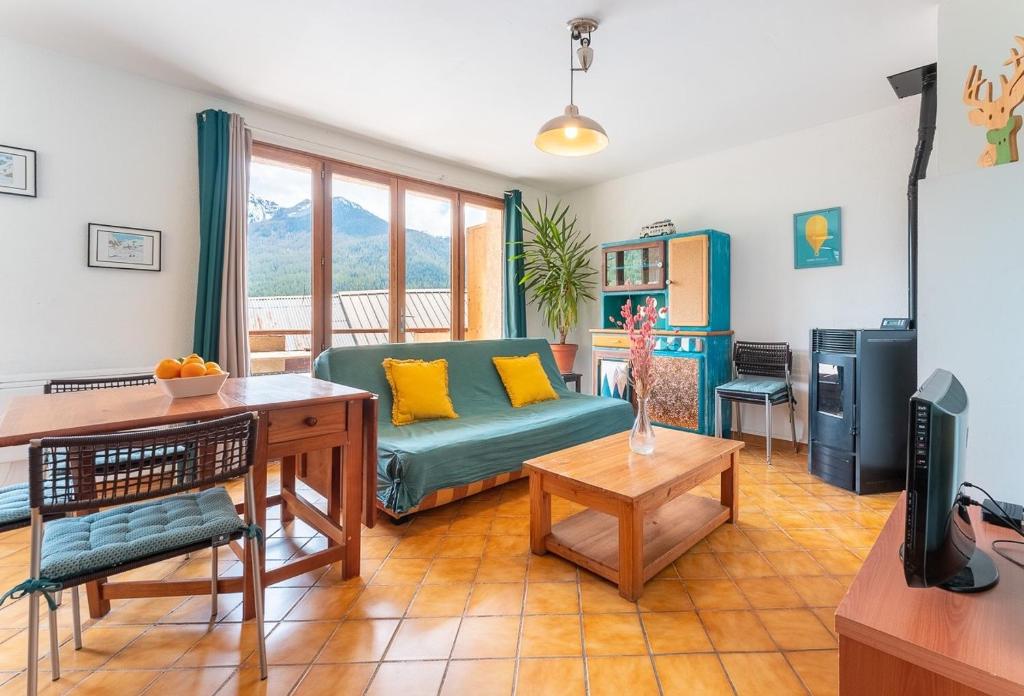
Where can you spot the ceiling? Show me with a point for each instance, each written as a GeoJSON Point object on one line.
{"type": "Point", "coordinates": [470, 81]}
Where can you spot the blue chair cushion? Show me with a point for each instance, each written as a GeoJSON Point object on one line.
{"type": "Point", "coordinates": [79, 546]}
{"type": "Point", "coordinates": [118, 457]}
{"type": "Point", "coordinates": [753, 386]}
{"type": "Point", "coordinates": [14, 504]}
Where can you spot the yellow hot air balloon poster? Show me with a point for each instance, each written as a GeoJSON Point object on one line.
{"type": "Point", "coordinates": [818, 238]}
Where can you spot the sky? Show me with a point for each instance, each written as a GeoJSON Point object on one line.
{"type": "Point", "coordinates": [287, 186]}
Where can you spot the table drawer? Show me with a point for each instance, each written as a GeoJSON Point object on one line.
{"type": "Point", "coordinates": [289, 424]}
{"type": "Point", "coordinates": [610, 341]}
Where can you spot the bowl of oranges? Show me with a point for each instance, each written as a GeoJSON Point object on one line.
{"type": "Point", "coordinates": [189, 376]}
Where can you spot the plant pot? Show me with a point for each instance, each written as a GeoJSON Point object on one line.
{"type": "Point", "coordinates": [565, 356]}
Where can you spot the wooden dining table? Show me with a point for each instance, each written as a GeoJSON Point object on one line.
{"type": "Point", "coordinates": [299, 416]}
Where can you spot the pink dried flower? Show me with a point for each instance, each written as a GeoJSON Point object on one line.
{"type": "Point", "coordinates": [639, 329]}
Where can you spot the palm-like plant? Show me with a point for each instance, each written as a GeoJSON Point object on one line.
{"type": "Point", "coordinates": [557, 273]}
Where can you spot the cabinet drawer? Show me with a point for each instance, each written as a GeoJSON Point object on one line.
{"type": "Point", "coordinates": [610, 341]}
{"type": "Point", "coordinates": [288, 424]}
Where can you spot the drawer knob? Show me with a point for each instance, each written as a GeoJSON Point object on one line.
{"type": "Point", "coordinates": [310, 421]}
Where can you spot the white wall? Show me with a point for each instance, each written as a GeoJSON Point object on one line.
{"type": "Point", "coordinates": [752, 192]}
{"type": "Point", "coordinates": [120, 149]}
{"type": "Point", "coordinates": [971, 246]}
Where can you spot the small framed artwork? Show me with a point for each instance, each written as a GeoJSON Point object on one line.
{"type": "Point", "coordinates": [130, 248]}
{"type": "Point", "coordinates": [17, 171]}
{"type": "Point", "coordinates": [818, 238]}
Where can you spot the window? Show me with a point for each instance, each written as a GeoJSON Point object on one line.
{"type": "Point", "coordinates": [343, 255]}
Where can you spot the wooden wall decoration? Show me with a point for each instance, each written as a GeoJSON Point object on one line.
{"type": "Point", "coordinates": [996, 115]}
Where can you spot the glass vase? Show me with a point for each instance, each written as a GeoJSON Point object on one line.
{"type": "Point", "coordinates": [641, 437]}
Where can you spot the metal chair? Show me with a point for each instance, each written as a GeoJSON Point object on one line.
{"type": "Point", "coordinates": [762, 376]}
{"type": "Point", "coordinates": [70, 551]}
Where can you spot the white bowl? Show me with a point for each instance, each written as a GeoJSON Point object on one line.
{"type": "Point", "coordinates": [183, 387]}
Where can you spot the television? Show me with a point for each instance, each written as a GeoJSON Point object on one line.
{"type": "Point", "coordinates": [939, 548]}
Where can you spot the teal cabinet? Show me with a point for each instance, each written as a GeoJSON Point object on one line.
{"type": "Point", "coordinates": [688, 276]}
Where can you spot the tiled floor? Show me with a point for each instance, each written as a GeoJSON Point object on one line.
{"type": "Point", "coordinates": [453, 603]}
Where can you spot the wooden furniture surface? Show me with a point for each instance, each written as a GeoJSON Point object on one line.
{"type": "Point", "coordinates": [895, 639]}
{"type": "Point", "coordinates": [641, 517]}
{"type": "Point", "coordinates": [688, 281]}
{"type": "Point", "coordinates": [297, 415]}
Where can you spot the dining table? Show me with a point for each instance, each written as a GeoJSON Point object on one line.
{"type": "Point", "coordinates": [325, 431]}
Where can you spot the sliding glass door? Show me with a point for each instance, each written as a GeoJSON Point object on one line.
{"type": "Point", "coordinates": [342, 255]}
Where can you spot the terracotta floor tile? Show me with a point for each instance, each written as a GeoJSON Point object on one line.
{"type": "Point", "coordinates": [440, 600]}
{"type": "Point", "coordinates": [699, 566]}
{"type": "Point", "coordinates": [487, 636]}
{"type": "Point", "coordinates": [121, 683]}
{"type": "Point", "coordinates": [736, 631]}
{"type": "Point", "coordinates": [518, 525]}
{"type": "Point", "coordinates": [197, 682]}
{"type": "Point", "coordinates": [794, 562]}
{"type": "Point", "coordinates": [452, 570]}
{"type": "Point", "coordinates": [479, 678]}
{"type": "Point", "coordinates": [551, 636]}
{"type": "Point", "coordinates": [769, 593]}
{"type": "Point", "coordinates": [819, 670]}
{"type": "Point", "coordinates": [602, 597]}
{"type": "Point", "coordinates": [692, 674]}
{"type": "Point", "coordinates": [382, 602]}
{"type": "Point", "coordinates": [748, 564]}
{"type": "Point", "coordinates": [837, 561]}
{"type": "Point", "coordinates": [716, 594]}
{"type": "Point", "coordinates": [796, 629]}
{"type": "Point", "coordinates": [99, 644]}
{"type": "Point", "coordinates": [761, 674]}
{"type": "Point", "coordinates": [363, 640]}
{"type": "Point", "coordinates": [376, 547]}
{"type": "Point", "coordinates": [552, 598]}
{"type": "Point", "coordinates": [664, 595]}
{"type": "Point", "coordinates": [550, 568]}
{"type": "Point", "coordinates": [463, 546]}
{"type": "Point", "coordinates": [335, 680]}
{"type": "Point", "coordinates": [502, 569]}
{"type": "Point", "coordinates": [490, 599]}
{"type": "Point", "coordinates": [818, 591]}
{"type": "Point", "coordinates": [325, 603]}
{"type": "Point", "coordinates": [401, 571]}
{"type": "Point", "coordinates": [676, 632]}
{"type": "Point", "coordinates": [827, 617]}
{"type": "Point", "coordinates": [622, 675]}
{"type": "Point", "coordinates": [814, 538]}
{"type": "Point", "coordinates": [139, 611]}
{"type": "Point", "coordinates": [278, 602]}
{"type": "Point", "coordinates": [613, 634]}
{"type": "Point", "coordinates": [550, 677]}
{"type": "Point", "coordinates": [729, 538]}
{"type": "Point", "coordinates": [508, 545]}
{"type": "Point", "coordinates": [157, 648]}
{"type": "Point", "coordinates": [471, 524]}
{"type": "Point", "coordinates": [407, 678]}
{"type": "Point", "coordinates": [422, 546]}
{"type": "Point", "coordinates": [771, 539]}
{"type": "Point", "coordinates": [296, 642]}
{"type": "Point", "coordinates": [280, 681]}
{"type": "Point", "coordinates": [225, 645]}
{"type": "Point", "coordinates": [424, 639]}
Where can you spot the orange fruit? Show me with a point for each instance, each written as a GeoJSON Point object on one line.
{"type": "Point", "coordinates": [192, 359]}
{"type": "Point", "coordinates": [213, 368]}
{"type": "Point", "coordinates": [168, 368]}
{"type": "Point", "coordinates": [193, 369]}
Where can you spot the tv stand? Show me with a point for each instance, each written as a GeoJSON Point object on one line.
{"type": "Point", "coordinates": [896, 640]}
{"type": "Point", "coordinates": [978, 575]}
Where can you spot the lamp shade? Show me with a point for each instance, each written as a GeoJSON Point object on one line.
{"type": "Point", "coordinates": [571, 135]}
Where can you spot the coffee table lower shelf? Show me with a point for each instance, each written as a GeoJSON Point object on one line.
{"type": "Point", "coordinates": [590, 539]}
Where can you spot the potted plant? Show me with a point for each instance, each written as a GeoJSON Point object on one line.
{"type": "Point", "coordinates": [557, 273]}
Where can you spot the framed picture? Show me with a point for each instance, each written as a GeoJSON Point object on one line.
{"type": "Point", "coordinates": [818, 238]}
{"type": "Point", "coordinates": [17, 171]}
{"type": "Point", "coordinates": [130, 248]}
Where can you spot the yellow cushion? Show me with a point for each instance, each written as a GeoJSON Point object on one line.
{"type": "Point", "coordinates": [420, 390]}
{"type": "Point", "coordinates": [524, 379]}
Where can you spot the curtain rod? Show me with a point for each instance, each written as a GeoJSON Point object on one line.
{"type": "Point", "coordinates": [432, 173]}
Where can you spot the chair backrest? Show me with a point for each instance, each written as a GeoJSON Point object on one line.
{"type": "Point", "coordinates": [58, 386]}
{"type": "Point", "coordinates": [92, 471]}
{"type": "Point", "coordinates": [762, 359]}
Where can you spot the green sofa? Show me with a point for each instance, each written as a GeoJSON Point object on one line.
{"type": "Point", "coordinates": [489, 438]}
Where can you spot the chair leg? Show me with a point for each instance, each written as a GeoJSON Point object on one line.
{"type": "Point", "coordinates": [213, 580]}
{"type": "Point", "coordinates": [768, 430]}
{"type": "Point", "coordinates": [718, 415]}
{"type": "Point", "coordinates": [792, 428]}
{"type": "Point", "coordinates": [33, 643]}
{"type": "Point", "coordinates": [257, 587]}
{"type": "Point", "coordinates": [736, 408]}
{"type": "Point", "coordinates": [76, 618]}
{"type": "Point", "coordinates": [54, 645]}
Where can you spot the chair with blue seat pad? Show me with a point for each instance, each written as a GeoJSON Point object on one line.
{"type": "Point", "coordinates": [762, 376]}
{"type": "Point", "coordinates": [149, 512]}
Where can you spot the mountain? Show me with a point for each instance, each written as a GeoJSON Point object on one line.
{"type": "Point", "coordinates": [279, 250]}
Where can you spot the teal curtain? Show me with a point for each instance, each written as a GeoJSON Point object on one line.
{"type": "Point", "coordinates": [214, 136]}
{"type": "Point", "coordinates": [515, 294]}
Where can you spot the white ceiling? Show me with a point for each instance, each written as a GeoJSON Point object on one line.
{"type": "Point", "coordinates": [470, 81]}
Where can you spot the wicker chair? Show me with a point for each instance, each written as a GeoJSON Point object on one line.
{"type": "Point", "coordinates": [762, 377]}
{"type": "Point", "coordinates": [136, 529]}
{"type": "Point", "coordinates": [14, 510]}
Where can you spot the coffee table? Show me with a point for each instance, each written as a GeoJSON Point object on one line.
{"type": "Point", "coordinates": [641, 516]}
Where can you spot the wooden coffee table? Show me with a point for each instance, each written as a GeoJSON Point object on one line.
{"type": "Point", "coordinates": [641, 517]}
